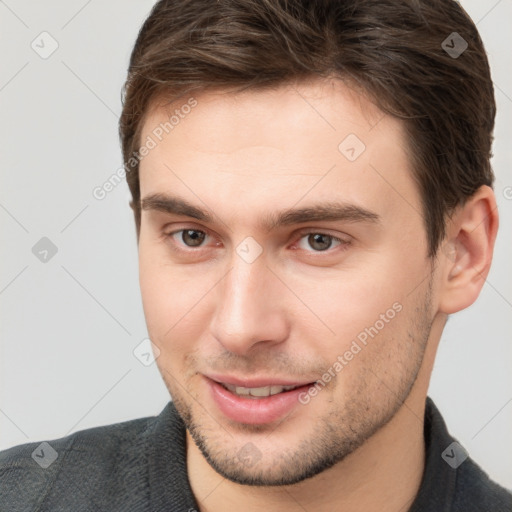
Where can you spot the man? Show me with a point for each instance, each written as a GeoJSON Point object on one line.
{"type": "Point", "coordinates": [313, 197]}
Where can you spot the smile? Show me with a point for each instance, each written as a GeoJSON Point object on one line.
{"type": "Point", "coordinates": [255, 403]}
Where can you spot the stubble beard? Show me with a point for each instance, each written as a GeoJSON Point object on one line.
{"type": "Point", "coordinates": [338, 434]}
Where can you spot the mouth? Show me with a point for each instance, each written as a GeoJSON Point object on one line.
{"type": "Point", "coordinates": [257, 402]}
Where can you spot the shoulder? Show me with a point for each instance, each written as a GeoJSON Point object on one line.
{"type": "Point", "coordinates": [452, 480]}
{"type": "Point", "coordinates": [30, 472]}
{"type": "Point", "coordinates": [476, 491]}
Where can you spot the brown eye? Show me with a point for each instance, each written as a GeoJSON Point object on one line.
{"type": "Point", "coordinates": [192, 237]}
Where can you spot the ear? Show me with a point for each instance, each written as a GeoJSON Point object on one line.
{"type": "Point", "coordinates": [466, 254]}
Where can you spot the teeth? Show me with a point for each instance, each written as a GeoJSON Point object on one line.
{"type": "Point", "coordinates": [258, 392]}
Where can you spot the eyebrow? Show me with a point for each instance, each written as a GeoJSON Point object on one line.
{"type": "Point", "coordinates": [174, 205]}
{"type": "Point", "coordinates": [329, 211]}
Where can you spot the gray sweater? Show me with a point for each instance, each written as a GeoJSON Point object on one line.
{"type": "Point", "coordinates": [140, 466]}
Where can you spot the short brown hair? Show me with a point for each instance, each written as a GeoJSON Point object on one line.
{"type": "Point", "coordinates": [397, 51]}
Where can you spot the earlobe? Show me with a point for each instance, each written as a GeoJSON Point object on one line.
{"type": "Point", "coordinates": [466, 256]}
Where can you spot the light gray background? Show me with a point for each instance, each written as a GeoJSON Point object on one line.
{"type": "Point", "coordinates": [69, 326]}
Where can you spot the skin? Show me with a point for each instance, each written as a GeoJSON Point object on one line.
{"type": "Point", "coordinates": [242, 157]}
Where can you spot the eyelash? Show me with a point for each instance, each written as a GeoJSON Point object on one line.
{"type": "Point", "coordinates": [342, 244]}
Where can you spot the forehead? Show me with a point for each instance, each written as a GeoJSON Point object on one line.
{"type": "Point", "coordinates": [259, 150]}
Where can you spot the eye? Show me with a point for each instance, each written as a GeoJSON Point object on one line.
{"type": "Point", "coordinates": [319, 242]}
{"type": "Point", "coordinates": [189, 237]}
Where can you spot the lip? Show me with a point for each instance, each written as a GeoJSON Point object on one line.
{"type": "Point", "coordinates": [256, 382]}
{"type": "Point", "coordinates": [255, 411]}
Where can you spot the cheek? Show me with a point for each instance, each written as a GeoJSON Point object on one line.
{"type": "Point", "coordinates": [348, 301]}
{"type": "Point", "coordinates": [175, 301]}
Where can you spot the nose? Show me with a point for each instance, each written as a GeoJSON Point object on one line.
{"type": "Point", "coordinates": [250, 309]}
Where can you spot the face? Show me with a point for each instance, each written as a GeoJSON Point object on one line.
{"type": "Point", "coordinates": [284, 274]}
